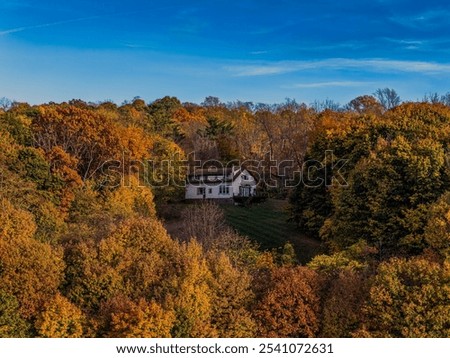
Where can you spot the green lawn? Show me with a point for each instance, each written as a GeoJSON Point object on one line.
{"type": "Point", "coordinates": [266, 223]}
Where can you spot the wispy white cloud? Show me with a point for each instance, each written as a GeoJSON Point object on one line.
{"type": "Point", "coordinates": [405, 41]}
{"type": "Point", "coordinates": [429, 19]}
{"type": "Point", "coordinates": [331, 84]}
{"type": "Point", "coordinates": [385, 65]}
{"type": "Point", "coordinates": [373, 65]}
{"type": "Point", "coordinates": [134, 45]}
{"type": "Point", "coordinates": [429, 44]}
{"type": "Point", "coordinates": [264, 69]}
{"type": "Point", "coordinates": [407, 44]}
{"type": "Point", "coordinates": [349, 45]}
{"type": "Point", "coordinates": [48, 24]}
{"type": "Point", "coordinates": [259, 52]}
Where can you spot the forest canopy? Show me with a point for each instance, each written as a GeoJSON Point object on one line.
{"type": "Point", "coordinates": [84, 251]}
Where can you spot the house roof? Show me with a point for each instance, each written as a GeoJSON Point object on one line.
{"type": "Point", "coordinates": [211, 172]}
{"type": "Point", "coordinates": [208, 181]}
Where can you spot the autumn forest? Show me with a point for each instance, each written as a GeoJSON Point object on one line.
{"type": "Point", "coordinates": [86, 191]}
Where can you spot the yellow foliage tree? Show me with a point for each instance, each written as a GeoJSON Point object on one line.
{"type": "Point", "coordinates": [409, 298]}
{"type": "Point", "coordinates": [135, 259]}
{"type": "Point", "coordinates": [60, 319]}
{"type": "Point", "coordinates": [231, 298]}
{"type": "Point", "coordinates": [141, 252]}
{"type": "Point", "coordinates": [132, 199]}
{"type": "Point", "coordinates": [128, 319]}
{"type": "Point", "coordinates": [437, 229]}
{"type": "Point", "coordinates": [192, 302]}
{"type": "Point", "coordinates": [30, 270]}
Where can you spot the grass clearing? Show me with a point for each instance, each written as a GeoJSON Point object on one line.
{"type": "Point", "coordinates": [266, 223]}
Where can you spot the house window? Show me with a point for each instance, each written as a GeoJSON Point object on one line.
{"type": "Point", "coordinates": [245, 177]}
{"type": "Point", "coordinates": [224, 189]}
{"type": "Point", "coordinates": [200, 191]}
{"type": "Point", "coordinates": [210, 191]}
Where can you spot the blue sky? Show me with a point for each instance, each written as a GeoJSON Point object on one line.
{"type": "Point", "coordinates": [259, 51]}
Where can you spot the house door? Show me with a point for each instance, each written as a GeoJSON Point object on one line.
{"type": "Point", "coordinates": [244, 191]}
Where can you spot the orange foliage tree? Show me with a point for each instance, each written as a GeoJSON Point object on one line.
{"type": "Point", "coordinates": [290, 307]}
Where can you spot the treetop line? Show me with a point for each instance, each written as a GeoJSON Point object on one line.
{"type": "Point", "coordinates": [268, 173]}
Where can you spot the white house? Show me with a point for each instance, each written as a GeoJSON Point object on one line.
{"type": "Point", "coordinates": [220, 183]}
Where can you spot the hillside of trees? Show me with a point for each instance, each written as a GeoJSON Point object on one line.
{"type": "Point", "coordinates": [84, 253]}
